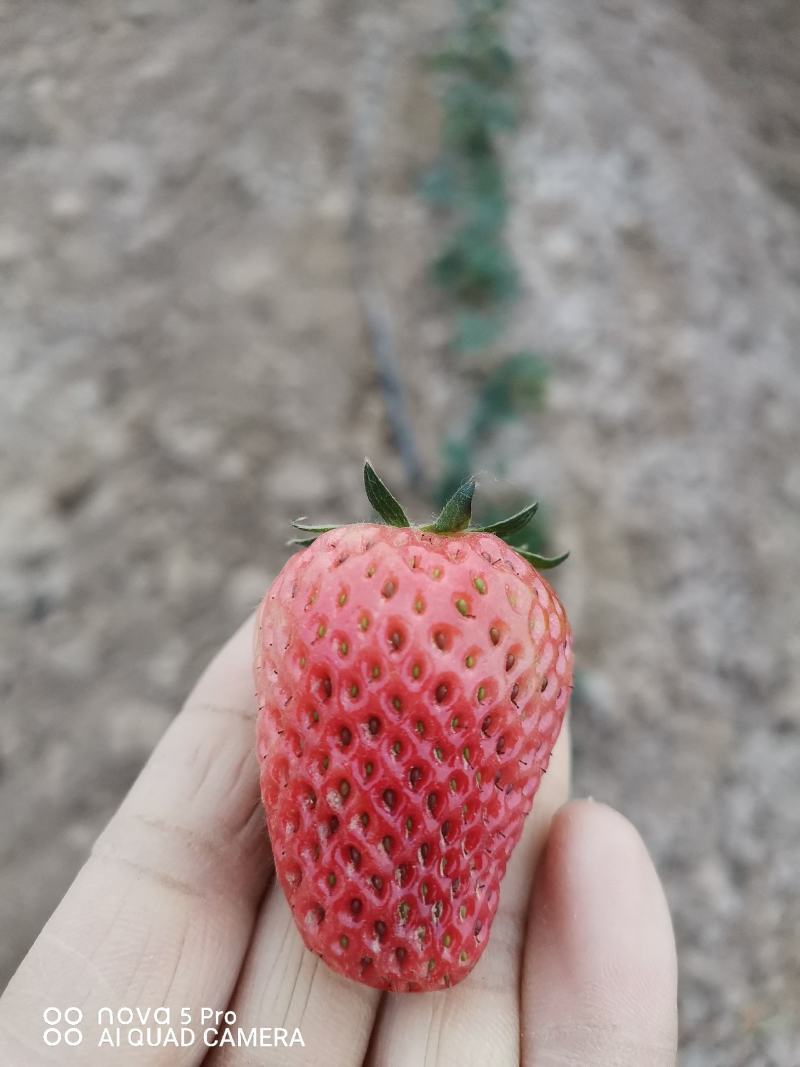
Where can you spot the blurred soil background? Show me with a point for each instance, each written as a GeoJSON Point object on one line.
{"type": "Point", "coordinates": [184, 368]}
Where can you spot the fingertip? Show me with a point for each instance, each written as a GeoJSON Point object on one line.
{"type": "Point", "coordinates": [597, 878]}
{"type": "Point", "coordinates": [600, 969]}
{"type": "Point", "coordinates": [590, 840]}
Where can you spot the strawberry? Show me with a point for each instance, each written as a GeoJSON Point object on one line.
{"type": "Point", "coordinates": [412, 681]}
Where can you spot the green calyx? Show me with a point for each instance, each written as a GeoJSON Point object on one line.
{"type": "Point", "coordinates": [455, 517]}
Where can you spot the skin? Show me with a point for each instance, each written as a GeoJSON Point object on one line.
{"type": "Point", "coordinates": [177, 906]}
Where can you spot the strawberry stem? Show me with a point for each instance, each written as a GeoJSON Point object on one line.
{"type": "Point", "coordinates": [455, 517]}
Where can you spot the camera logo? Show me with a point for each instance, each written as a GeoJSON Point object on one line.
{"type": "Point", "coordinates": [62, 1027]}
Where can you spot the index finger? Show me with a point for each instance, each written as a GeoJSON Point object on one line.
{"type": "Point", "coordinates": [161, 913]}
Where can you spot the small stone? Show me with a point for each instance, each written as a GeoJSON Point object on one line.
{"type": "Point", "coordinates": [67, 207]}
{"type": "Point", "coordinates": [249, 274]}
{"type": "Point", "coordinates": [13, 246]}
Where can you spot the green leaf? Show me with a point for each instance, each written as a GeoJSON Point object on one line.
{"type": "Point", "coordinates": [476, 268]}
{"type": "Point", "coordinates": [473, 114]}
{"type": "Point", "coordinates": [457, 512]}
{"type": "Point", "coordinates": [300, 525]}
{"type": "Point", "coordinates": [517, 384]}
{"type": "Point", "coordinates": [507, 527]}
{"type": "Point", "coordinates": [476, 330]}
{"type": "Point", "coordinates": [381, 498]}
{"type": "Point", "coordinates": [438, 185]}
{"type": "Point", "coordinates": [301, 542]}
{"type": "Point", "coordinates": [488, 60]}
{"type": "Point", "coordinates": [482, 202]}
{"type": "Point", "coordinates": [473, 55]}
{"type": "Point", "coordinates": [541, 563]}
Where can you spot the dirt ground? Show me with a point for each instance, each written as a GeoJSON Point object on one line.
{"type": "Point", "coordinates": [184, 368]}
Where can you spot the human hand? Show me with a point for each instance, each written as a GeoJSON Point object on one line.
{"type": "Point", "coordinates": [177, 908]}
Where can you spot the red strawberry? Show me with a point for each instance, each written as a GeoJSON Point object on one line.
{"type": "Point", "coordinates": [412, 682]}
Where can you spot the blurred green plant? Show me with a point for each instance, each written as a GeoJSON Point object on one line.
{"type": "Point", "coordinates": [508, 390]}
{"type": "Point", "coordinates": [475, 270]}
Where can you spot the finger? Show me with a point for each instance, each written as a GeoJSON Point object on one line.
{"type": "Point", "coordinates": [477, 1022]}
{"type": "Point", "coordinates": [600, 974]}
{"type": "Point", "coordinates": [283, 985]}
{"type": "Point", "coordinates": [162, 911]}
